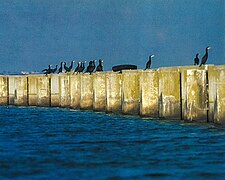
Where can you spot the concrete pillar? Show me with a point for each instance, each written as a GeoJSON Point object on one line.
{"type": "Point", "coordinates": [183, 74]}
{"type": "Point", "coordinates": [3, 90]}
{"type": "Point", "coordinates": [196, 95]}
{"type": "Point", "coordinates": [211, 90]}
{"type": "Point", "coordinates": [130, 92]}
{"type": "Point", "coordinates": [55, 93]}
{"type": "Point", "coordinates": [75, 91]}
{"type": "Point", "coordinates": [64, 90]}
{"type": "Point", "coordinates": [113, 92]}
{"type": "Point", "coordinates": [149, 87]}
{"type": "Point", "coordinates": [43, 90]}
{"type": "Point", "coordinates": [169, 93]}
{"type": "Point", "coordinates": [33, 90]}
{"type": "Point", "coordinates": [99, 89]}
{"type": "Point", "coordinates": [18, 90]}
{"type": "Point", "coordinates": [86, 88]}
{"type": "Point", "coordinates": [219, 116]}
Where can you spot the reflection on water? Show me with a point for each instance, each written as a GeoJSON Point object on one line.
{"type": "Point", "coordinates": [53, 142]}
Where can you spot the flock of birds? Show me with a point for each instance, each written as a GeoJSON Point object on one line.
{"type": "Point", "coordinates": [79, 69]}
{"type": "Point", "coordinates": [196, 59]}
{"type": "Point", "coordinates": [92, 67]}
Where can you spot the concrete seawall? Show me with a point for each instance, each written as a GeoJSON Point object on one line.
{"type": "Point", "coordinates": [188, 92]}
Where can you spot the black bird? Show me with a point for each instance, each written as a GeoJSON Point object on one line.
{"type": "Point", "coordinates": [54, 70]}
{"type": "Point", "coordinates": [47, 71]}
{"type": "Point", "coordinates": [205, 57]}
{"type": "Point", "coordinates": [68, 69]}
{"type": "Point", "coordinates": [49, 66]}
{"type": "Point", "coordinates": [196, 60]}
{"type": "Point", "coordinates": [82, 67]}
{"type": "Point", "coordinates": [88, 70]}
{"type": "Point", "coordinates": [92, 68]}
{"type": "Point", "coordinates": [100, 66]}
{"type": "Point", "coordinates": [76, 69]}
{"type": "Point", "coordinates": [65, 67]}
{"type": "Point", "coordinates": [148, 64]}
{"type": "Point", "coordinates": [61, 67]}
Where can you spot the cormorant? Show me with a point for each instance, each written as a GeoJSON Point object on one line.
{"type": "Point", "coordinates": [148, 64]}
{"type": "Point", "coordinates": [47, 71]}
{"type": "Point", "coordinates": [49, 67]}
{"type": "Point", "coordinates": [89, 67]}
{"type": "Point", "coordinates": [196, 60]}
{"type": "Point", "coordinates": [78, 66]}
{"type": "Point", "coordinates": [82, 67]}
{"type": "Point", "coordinates": [61, 67]}
{"type": "Point", "coordinates": [65, 67]}
{"type": "Point", "coordinates": [205, 57]}
{"type": "Point", "coordinates": [68, 69]}
{"type": "Point", "coordinates": [54, 70]}
{"type": "Point", "coordinates": [100, 66]}
{"type": "Point", "coordinates": [92, 68]}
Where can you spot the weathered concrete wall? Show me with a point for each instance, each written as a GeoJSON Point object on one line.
{"type": "Point", "coordinates": [75, 91]}
{"type": "Point", "coordinates": [99, 90]}
{"type": "Point", "coordinates": [113, 92]}
{"type": "Point", "coordinates": [44, 91]}
{"type": "Point", "coordinates": [64, 88]}
{"type": "Point", "coordinates": [149, 89]}
{"type": "Point", "coordinates": [219, 115]}
{"type": "Point", "coordinates": [169, 93]}
{"type": "Point", "coordinates": [130, 92]}
{"type": "Point", "coordinates": [18, 90]}
{"type": "Point", "coordinates": [183, 74]}
{"type": "Point", "coordinates": [196, 95]}
{"type": "Point", "coordinates": [3, 90]}
{"type": "Point", "coordinates": [184, 92]}
{"type": "Point", "coordinates": [86, 99]}
{"type": "Point", "coordinates": [55, 92]}
{"type": "Point", "coordinates": [33, 90]}
{"type": "Point", "coordinates": [38, 90]}
{"type": "Point", "coordinates": [211, 91]}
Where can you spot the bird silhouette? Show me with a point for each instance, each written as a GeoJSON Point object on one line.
{"type": "Point", "coordinates": [61, 67]}
{"type": "Point", "coordinates": [92, 68]}
{"type": "Point", "coordinates": [100, 66]}
{"type": "Point", "coordinates": [68, 69]}
{"type": "Point", "coordinates": [82, 67]}
{"type": "Point", "coordinates": [148, 64]}
{"type": "Point", "coordinates": [47, 71]}
{"type": "Point", "coordinates": [65, 67]}
{"type": "Point", "coordinates": [78, 66]}
{"type": "Point", "coordinates": [196, 60]}
{"type": "Point", "coordinates": [54, 70]}
{"type": "Point", "coordinates": [205, 57]}
{"type": "Point", "coordinates": [88, 70]}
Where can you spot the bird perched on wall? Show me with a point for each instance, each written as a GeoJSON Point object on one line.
{"type": "Point", "coordinates": [100, 66]}
{"type": "Point", "coordinates": [88, 70]}
{"type": "Point", "coordinates": [61, 67]}
{"type": "Point", "coordinates": [68, 69]}
{"type": "Point", "coordinates": [205, 57]}
{"type": "Point", "coordinates": [196, 60]}
{"type": "Point", "coordinates": [82, 67]}
{"type": "Point", "coordinates": [54, 70]}
{"type": "Point", "coordinates": [78, 66]}
{"type": "Point", "coordinates": [92, 66]}
{"type": "Point", "coordinates": [47, 71]}
{"type": "Point", "coordinates": [148, 64]}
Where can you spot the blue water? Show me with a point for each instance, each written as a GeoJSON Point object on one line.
{"type": "Point", "coordinates": [67, 144]}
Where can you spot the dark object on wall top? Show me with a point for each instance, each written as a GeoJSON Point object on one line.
{"type": "Point", "coordinates": [124, 67]}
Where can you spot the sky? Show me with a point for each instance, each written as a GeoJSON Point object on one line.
{"type": "Point", "coordinates": [35, 33]}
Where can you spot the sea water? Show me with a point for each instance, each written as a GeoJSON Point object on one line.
{"type": "Point", "coordinates": [50, 143]}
